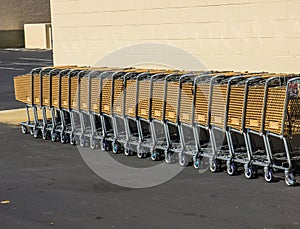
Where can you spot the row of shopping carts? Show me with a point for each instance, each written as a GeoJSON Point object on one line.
{"type": "Point", "coordinates": [233, 120]}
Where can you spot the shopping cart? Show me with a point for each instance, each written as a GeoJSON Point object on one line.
{"type": "Point", "coordinates": [94, 104]}
{"type": "Point", "coordinates": [112, 111]}
{"type": "Point", "coordinates": [78, 102]}
{"type": "Point", "coordinates": [222, 100]}
{"type": "Point", "coordinates": [23, 92]}
{"type": "Point", "coordinates": [137, 101]}
{"type": "Point", "coordinates": [185, 120]}
{"type": "Point", "coordinates": [143, 113]}
{"type": "Point", "coordinates": [135, 128]}
{"type": "Point", "coordinates": [59, 119]}
{"type": "Point", "coordinates": [90, 103]}
{"type": "Point", "coordinates": [164, 101]}
{"type": "Point", "coordinates": [205, 134]}
{"type": "Point", "coordinates": [126, 128]}
{"type": "Point", "coordinates": [44, 98]}
{"type": "Point", "coordinates": [281, 122]}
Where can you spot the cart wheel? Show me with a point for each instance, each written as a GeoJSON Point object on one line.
{"type": "Point", "coordinates": [72, 139]}
{"type": "Point", "coordinates": [63, 138]}
{"type": "Point", "coordinates": [142, 155]}
{"type": "Point", "coordinates": [290, 179]}
{"type": "Point", "coordinates": [24, 129]}
{"type": "Point", "coordinates": [36, 133]}
{"type": "Point", "coordinates": [53, 137]}
{"type": "Point", "coordinates": [155, 156]}
{"type": "Point", "coordinates": [196, 163]}
{"type": "Point", "coordinates": [213, 165]}
{"type": "Point", "coordinates": [108, 146]}
{"type": "Point", "coordinates": [82, 142]}
{"type": "Point", "coordinates": [45, 135]}
{"type": "Point", "coordinates": [104, 145]}
{"type": "Point", "coordinates": [168, 157]}
{"type": "Point", "coordinates": [269, 177]}
{"type": "Point", "coordinates": [249, 171]}
{"type": "Point", "coordinates": [115, 147]}
{"type": "Point", "coordinates": [93, 144]}
{"type": "Point", "coordinates": [182, 160]}
{"type": "Point", "coordinates": [141, 152]}
{"type": "Point", "coordinates": [231, 168]}
{"type": "Point", "coordinates": [128, 152]}
{"type": "Point", "coordinates": [31, 130]}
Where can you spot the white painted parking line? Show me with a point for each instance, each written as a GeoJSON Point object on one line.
{"type": "Point", "coordinates": [17, 69]}
{"type": "Point", "coordinates": [38, 59]}
{"type": "Point", "coordinates": [29, 64]}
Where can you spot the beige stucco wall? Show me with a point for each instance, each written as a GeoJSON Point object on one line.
{"type": "Point", "coordinates": [224, 34]}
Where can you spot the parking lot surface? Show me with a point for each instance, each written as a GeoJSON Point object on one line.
{"type": "Point", "coordinates": [50, 186]}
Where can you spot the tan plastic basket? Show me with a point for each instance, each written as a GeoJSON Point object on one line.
{"type": "Point", "coordinates": [254, 107]}
{"type": "Point", "coordinates": [144, 98]}
{"type": "Point", "coordinates": [46, 90]}
{"type": "Point", "coordinates": [201, 104]}
{"type": "Point", "coordinates": [130, 104]}
{"type": "Point", "coordinates": [64, 92]}
{"type": "Point", "coordinates": [84, 93]}
{"type": "Point", "coordinates": [118, 96]}
{"type": "Point", "coordinates": [235, 106]}
{"type": "Point", "coordinates": [157, 100]}
{"type": "Point", "coordinates": [186, 103]}
{"type": "Point", "coordinates": [218, 105]}
{"type": "Point", "coordinates": [172, 101]}
{"type": "Point", "coordinates": [55, 91]}
{"type": "Point", "coordinates": [106, 96]}
{"type": "Point", "coordinates": [22, 86]}
{"type": "Point", "coordinates": [275, 109]}
{"type": "Point", "coordinates": [95, 95]}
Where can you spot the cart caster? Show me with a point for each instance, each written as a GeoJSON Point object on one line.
{"type": "Point", "coordinates": [24, 129]}
{"type": "Point", "coordinates": [155, 156]}
{"type": "Point", "coordinates": [196, 163]}
{"type": "Point", "coordinates": [82, 142]}
{"type": "Point", "coordinates": [269, 177]}
{"type": "Point", "coordinates": [141, 155]}
{"type": "Point", "coordinates": [72, 139]}
{"type": "Point", "coordinates": [36, 133]}
{"type": "Point", "coordinates": [127, 152]}
{"type": "Point", "coordinates": [231, 168]}
{"type": "Point", "coordinates": [290, 179]}
{"type": "Point", "coordinates": [63, 138]}
{"type": "Point", "coordinates": [93, 144]}
{"type": "Point", "coordinates": [53, 137]}
{"type": "Point", "coordinates": [115, 147]}
{"type": "Point", "coordinates": [249, 171]}
{"type": "Point", "coordinates": [31, 130]}
{"type": "Point", "coordinates": [213, 165]}
{"type": "Point", "coordinates": [182, 160]}
{"type": "Point", "coordinates": [168, 157]}
{"type": "Point", "coordinates": [104, 145]}
{"type": "Point", "coordinates": [45, 135]}
{"type": "Point", "coordinates": [141, 152]}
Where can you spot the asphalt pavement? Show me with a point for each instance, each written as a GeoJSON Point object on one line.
{"type": "Point", "coordinates": [15, 62]}
{"type": "Point", "coordinates": [50, 186]}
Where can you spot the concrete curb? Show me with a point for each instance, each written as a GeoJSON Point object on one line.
{"type": "Point", "coordinates": [15, 116]}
